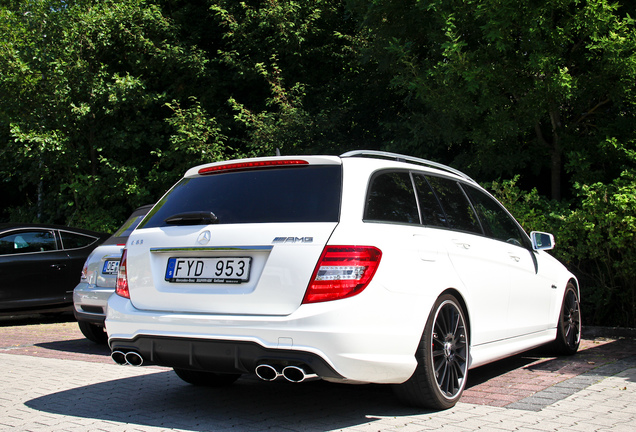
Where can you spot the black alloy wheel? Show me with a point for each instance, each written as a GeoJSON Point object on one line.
{"type": "Point", "coordinates": [569, 325]}
{"type": "Point", "coordinates": [442, 357]}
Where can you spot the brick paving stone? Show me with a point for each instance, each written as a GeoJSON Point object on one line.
{"type": "Point", "coordinates": [53, 379]}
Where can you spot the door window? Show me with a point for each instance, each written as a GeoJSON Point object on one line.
{"type": "Point", "coordinates": [496, 221]}
{"type": "Point", "coordinates": [457, 209]}
{"type": "Point", "coordinates": [27, 242]}
{"type": "Point", "coordinates": [430, 208]}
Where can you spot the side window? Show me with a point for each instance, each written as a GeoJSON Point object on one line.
{"type": "Point", "coordinates": [27, 242]}
{"type": "Point", "coordinates": [459, 213]}
{"type": "Point", "coordinates": [432, 213]}
{"type": "Point", "coordinates": [497, 222]}
{"type": "Point", "coordinates": [75, 241]}
{"type": "Point", "coordinates": [391, 199]}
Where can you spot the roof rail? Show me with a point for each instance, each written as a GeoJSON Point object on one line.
{"type": "Point", "coordinates": [402, 158]}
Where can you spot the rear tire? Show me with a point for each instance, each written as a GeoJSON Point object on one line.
{"type": "Point", "coordinates": [93, 332]}
{"type": "Point", "coordinates": [569, 325]}
{"type": "Point", "coordinates": [442, 359]}
{"type": "Point", "coordinates": [206, 379]}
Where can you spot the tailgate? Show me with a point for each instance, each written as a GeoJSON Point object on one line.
{"type": "Point", "coordinates": [247, 269]}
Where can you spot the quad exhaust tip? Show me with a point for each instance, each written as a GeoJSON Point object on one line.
{"type": "Point", "coordinates": [295, 374]}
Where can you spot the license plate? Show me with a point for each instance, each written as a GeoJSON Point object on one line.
{"type": "Point", "coordinates": [222, 270]}
{"type": "Point", "coordinates": [110, 267]}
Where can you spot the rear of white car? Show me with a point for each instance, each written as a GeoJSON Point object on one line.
{"type": "Point", "coordinates": [276, 266]}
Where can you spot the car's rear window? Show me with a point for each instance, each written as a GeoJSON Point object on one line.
{"type": "Point", "coordinates": [299, 194]}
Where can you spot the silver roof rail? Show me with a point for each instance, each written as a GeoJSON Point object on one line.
{"type": "Point", "coordinates": [402, 158]}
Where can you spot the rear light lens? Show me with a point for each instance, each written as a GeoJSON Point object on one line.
{"type": "Point", "coordinates": [84, 275]}
{"type": "Point", "coordinates": [342, 271]}
{"type": "Point", "coordinates": [121, 288]}
{"type": "Point", "coordinates": [242, 166]}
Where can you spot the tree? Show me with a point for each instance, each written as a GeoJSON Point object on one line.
{"type": "Point", "coordinates": [85, 87]}
{"type": "Point", "coordinates": [507, 86]}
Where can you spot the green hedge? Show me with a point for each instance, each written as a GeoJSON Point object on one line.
{"type": "Point", "coordinates": [595, 237]}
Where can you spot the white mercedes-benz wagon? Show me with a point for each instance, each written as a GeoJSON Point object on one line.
{"type": "Point", "coordinates": [370, 267]}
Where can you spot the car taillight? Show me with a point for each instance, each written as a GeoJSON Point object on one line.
{"type": "Point", "coordinates": [342, 271]}
{"type": "Point", "coordinates": [121, 288]}
{"type": "Point", "coordinates": [84, 275]}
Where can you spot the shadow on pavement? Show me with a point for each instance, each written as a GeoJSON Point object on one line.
{"type": "Point", "coordinates": [163, 400]}
{"type": "Point", "coordinates": [79, 346]}
{"type": "Point", "coordinates": [30, 318]}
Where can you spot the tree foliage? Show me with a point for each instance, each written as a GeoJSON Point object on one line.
{"type": "Point", "coordinates": [536, 86]}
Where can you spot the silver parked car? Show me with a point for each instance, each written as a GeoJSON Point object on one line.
{"type": "Point", "coordinates": [99, 275]}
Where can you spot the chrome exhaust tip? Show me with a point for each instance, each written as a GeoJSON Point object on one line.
{"type": "Point", "coordinates": [267, 372]}
{"type": "Point", "coordinates": [298, 374]}
{"type": "Point", "coordinates": [134, 359]}
{"type": "Point", "coordinates": [119, 357]}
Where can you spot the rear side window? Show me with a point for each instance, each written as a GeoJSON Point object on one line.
{"type": "Point", "coordinates": [75, 241]}
{"type": "Point", "coordinates": [391, 199]}
{"type": "Point", "coordinates": [299, 194]}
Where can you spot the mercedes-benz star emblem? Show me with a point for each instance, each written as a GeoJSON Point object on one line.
{"type": "Point", "coordinates": [204, 237]}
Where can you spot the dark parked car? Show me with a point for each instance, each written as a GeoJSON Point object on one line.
{"type": "Point", "coordinates": [40, 264]}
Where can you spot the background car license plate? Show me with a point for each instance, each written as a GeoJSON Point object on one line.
{"type": "Point", "coordinates": [208, 270]}
{"type": "Point", "coordinates": [110, 267]}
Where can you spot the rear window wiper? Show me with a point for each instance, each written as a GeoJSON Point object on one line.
{"type": "Point", "coordinates": [193, 218]}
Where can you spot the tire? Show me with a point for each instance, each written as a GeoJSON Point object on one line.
{"type": "Point", "coordinates": [569, 326]}
{"type": "Point", "coordinates": [442, 359]}
{"type": "Point", "coordinates": [93, 332]}
{"type": "Point", "coordinates": [206, 379]}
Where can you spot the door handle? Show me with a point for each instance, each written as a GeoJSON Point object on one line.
{"type": "Point", "coordinates": [58, 266]}
{"type": "Point", "coordinates": [461, 244]}
{"type": "Point", "coordinates": [515, 257]}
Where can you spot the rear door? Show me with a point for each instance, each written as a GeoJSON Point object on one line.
{"type": "Point", "coordinates": [235, 240]}
{"type": "Point", "coordinates": [476, 262]}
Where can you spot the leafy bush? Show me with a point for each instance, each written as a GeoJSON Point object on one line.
{"type": "Point", "coordinates": [595, 239]}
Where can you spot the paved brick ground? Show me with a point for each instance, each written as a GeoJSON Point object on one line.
{"type": "Point", "coordinates": [52, 379]}
{"type": "Point", "coordinates": [499, 385]}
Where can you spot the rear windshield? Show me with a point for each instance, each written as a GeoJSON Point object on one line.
{"type": "Point", "coordinates": [299, 194]}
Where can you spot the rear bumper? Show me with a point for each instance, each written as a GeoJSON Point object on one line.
{"type": "Point", "coordinates": [217, 355]}
{"type": "Point", "coordinates": [90, 302]}
{"type": "Point", "coordinates": [343, 340]}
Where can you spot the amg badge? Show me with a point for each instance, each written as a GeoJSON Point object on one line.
{"type": "Point", "coordinates": [293, 240]}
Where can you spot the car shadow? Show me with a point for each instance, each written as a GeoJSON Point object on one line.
{"type": "Point", "coordinates": [53, 316]}
{"type": "Point", "coordinates": [78, 346]}
{"type": "Point", "coordinates": [162, 400]}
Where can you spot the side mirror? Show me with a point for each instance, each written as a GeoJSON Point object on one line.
{"type": "Point", "coordinates": [542, 241]}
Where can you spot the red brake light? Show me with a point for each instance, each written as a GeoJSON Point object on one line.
{"type": "Point", "coordinates": [342, 271]}
{"type": "Point", "coordinates": [121, 289]}
{"type": "Point", "coordinates": [240, 166]}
